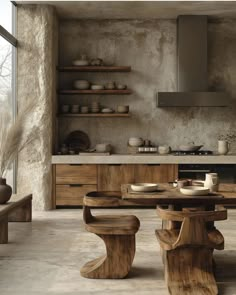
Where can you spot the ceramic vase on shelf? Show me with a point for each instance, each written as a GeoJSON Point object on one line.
{"type": "Point", "coordinates": [5, 191]}
{"type": "Point", "coordinates": [223, 147]}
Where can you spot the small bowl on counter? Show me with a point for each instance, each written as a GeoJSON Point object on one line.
{"type": "Point", "coordinates": [135, 141]}
{"type": "Point", "coordinates": [164, 149]}
{"type": "Point", "coordinates": [103, 147]}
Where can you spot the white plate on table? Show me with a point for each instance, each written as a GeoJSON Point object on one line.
{"type": "Point", "coordinates": [194, 190]}
{"type": "Point", "coordinates": [144, 187]}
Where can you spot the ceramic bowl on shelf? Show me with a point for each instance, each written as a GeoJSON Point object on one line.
{"type": "Point", "coordinates": [80, 62]}
{"type": "Point", "coordinates": [84, 109]}
{"type": "Point", "coordinates": [81, 84]}
{"type": "Point", "coordinates": [107, 111]}
{"type": "Point", "coordinates": [110, 85]}
{"type": "Point", "coordinates": [194, 190]}
{"type": "Point", "coordinates": [65, 108]}
{"type": "Point", "coordinates": [121, 86]}
{"type": "Point", "coordinates": [144, 187]}
{"type": "Point", "coordinates": [74, 109]}
{"type": "Point", "coordinates": [97, 87]}
{"type": "Point", "coordinates": [122, 109]}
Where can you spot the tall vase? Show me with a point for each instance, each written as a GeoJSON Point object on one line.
{"type": "Point", "coordinates": [5, 191]}
{"type": "Point", "coordinates": [223, 147]}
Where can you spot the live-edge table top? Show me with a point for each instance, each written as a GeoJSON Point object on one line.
{"type": "Point", "coordinates": [169, 195]}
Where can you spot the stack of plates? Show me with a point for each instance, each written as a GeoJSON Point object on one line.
{"type": "Point", "coordinates": [144, 187]}
{"type": "Point", "coordinates": [81, 84]}
{"type": "Point", "coordinates": [95, 107]}
{"type": "Point", "coordinates": [194, 190]}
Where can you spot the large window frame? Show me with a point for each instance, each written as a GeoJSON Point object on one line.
{"type": "Point", "coordinates": [10, 38]}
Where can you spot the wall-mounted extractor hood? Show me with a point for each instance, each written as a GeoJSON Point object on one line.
{"type": "Point", "coordinates": [192, 68]}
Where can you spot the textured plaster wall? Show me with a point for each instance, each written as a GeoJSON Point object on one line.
{"type": "Point", "coordinates": [149, 46]}
{"type": "Point", "coordinates": [37, 56]}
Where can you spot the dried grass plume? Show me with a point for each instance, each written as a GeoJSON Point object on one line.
{"type": "Point", "coordinates": [14, 135]}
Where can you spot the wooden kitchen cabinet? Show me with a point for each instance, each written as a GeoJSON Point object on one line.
{"type": "Point", "coordinates": [72, 182]}
{"type": "Point", "coordinates": [111, 176]}
{"type": "Point", "coordinates": [156, 173]}
{"type": "Point", "coordinates": [72, 195]}
{"type": "Point", "coordinates": [76, 174]}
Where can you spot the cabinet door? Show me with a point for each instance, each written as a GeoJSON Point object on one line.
{"type": "Point", "coordinates": [76, 174]}
{"type": "Point", "coordinates": [110, 177]}
{"type": "Point", "coordinates": [69, 195]}
{"type": "Point", "coordinates": [156, 173]}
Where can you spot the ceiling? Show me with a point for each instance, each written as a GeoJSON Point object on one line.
{"type": "Point", "coordinates": [139, 9]}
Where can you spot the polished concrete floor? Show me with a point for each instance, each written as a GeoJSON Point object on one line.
{"type": "Point", "coordinates": [45, 257]}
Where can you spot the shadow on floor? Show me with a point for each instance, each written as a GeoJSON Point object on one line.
{"type": "Point", "coordinates": [225, 271]}
{"type": "Point", "coordinates": [146, 272]}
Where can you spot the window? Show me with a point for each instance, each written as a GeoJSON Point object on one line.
{"type": "Point", "coordinates": [7, 68]}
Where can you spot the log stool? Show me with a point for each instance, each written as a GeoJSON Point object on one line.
{"type": "Point", "coordinates": [188, 251]}
{"type": "Point", "coordinates": [117, 232]}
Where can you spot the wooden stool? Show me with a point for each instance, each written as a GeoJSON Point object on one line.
{"type": "Point", "coordinates": [118, 234]}
{"type": "Point", "coordinates": [188, 251]}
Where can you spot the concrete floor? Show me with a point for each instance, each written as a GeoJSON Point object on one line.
{"type": "Point", "coordinates": [45, 257]}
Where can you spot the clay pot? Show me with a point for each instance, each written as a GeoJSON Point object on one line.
{"type": "Point", "coordinates": [5, 191]}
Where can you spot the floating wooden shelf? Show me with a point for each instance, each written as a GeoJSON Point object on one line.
{"type": "Point", "coordinates": [94, 92]}
{"type": "Point", "coordinates": [94, 69]}
{"type": "Point", "coordinates": [100, 115]}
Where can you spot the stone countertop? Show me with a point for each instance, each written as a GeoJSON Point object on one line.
{"type": "Point", "coordinates": [143, 159]}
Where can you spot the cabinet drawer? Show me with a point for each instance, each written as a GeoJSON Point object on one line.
{"type": "Point", "coordinates": [82, 174]}
{"type": "Point", "coordinates": [72, 195]}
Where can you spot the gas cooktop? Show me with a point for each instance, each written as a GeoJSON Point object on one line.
{"type": "Point", "coordinates": [196, 153]}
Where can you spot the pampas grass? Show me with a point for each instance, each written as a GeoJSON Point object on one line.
{"type": "Point", "coordinates": [14, 135]}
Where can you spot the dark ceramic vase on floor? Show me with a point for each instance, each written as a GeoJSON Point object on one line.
{"type": "Point", "coordinates": [5, 191]}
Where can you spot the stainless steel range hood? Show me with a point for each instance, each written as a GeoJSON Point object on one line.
{"type": "Point", "coordinates": [192, 68]}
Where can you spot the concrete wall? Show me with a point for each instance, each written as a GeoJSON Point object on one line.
{"type": "Point", "coordinates": [150, 48]}
{"type": "Point", "coordinates": [37, 57]}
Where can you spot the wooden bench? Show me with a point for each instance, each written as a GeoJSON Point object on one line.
{"type": "Point", "coordinates": [18, 209]}
{"type": "Point", "coordinates": [187, 252]}
{"type": "Point", "coordinates": [117, 232]}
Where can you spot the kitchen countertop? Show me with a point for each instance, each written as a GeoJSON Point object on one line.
{"type": "Point", "coordinates": [144, 159]}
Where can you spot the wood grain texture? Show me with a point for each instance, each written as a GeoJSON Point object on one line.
{"type": "Point", "coordinates": [155, 173]}
{"type": "Point", "coordinates": [118, 233]}
{"type": "Point", "coordinates": [67, 195]}
{"type": "Point", "coordinates": [110, 177]}
{"type": "Point", "coordinates": [4, 229]}
{"type": "Point", "coordinates": [76, 174]}
{"type": "Point", "coordinates": [53, 194]}
{"type": "Point", "coordinates": [167, 195]}
{"type": "Point", "coordinates": [23, 213]}
{"type": "Point", "coordinates": [15, 202]}
{"type": "Point", "coordinates": [189, 271]}
{"type": "Point", "coordinates": [117, 262]}
{"type": "Point", "coordinates": [187, 252]}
